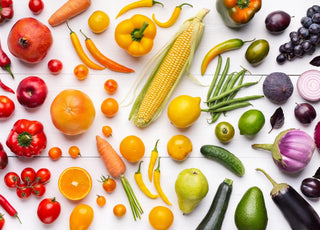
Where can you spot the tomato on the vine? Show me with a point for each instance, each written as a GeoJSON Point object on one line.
{"type": "Point", "coordinates": [28, 176]}
{"type": "Point", "coordinates": [38, 189]}
{"type": "Point", "coordinates": [108, 184]}
{"type": "Point", "coordinates": [12, 179]}
{"type": "Point", "coordinates": [6, 107]}
{"type": "Point", "coordinates": [43, 175]}
{"type": "Point", "coordinates": [23, 191]}
{"type": "Point", "coordinates": [110, 86]}
{"type": "Point", "coordinates": [36, 6]}
{"type": "Point", "coordinates": [48, 210]}
{"type": "Point", "coordinates": [55, 66]}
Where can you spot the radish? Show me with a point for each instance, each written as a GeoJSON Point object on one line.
{"type": "Point", "coordinates": [308, 85]}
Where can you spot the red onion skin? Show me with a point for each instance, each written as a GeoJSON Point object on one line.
{"type": "Point", "coordinates": [317, 135]}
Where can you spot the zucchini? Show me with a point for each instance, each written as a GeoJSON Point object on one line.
{"type": "Point", "coordinates": [215, 215]}
{"type": "Point", "coordinates": [225, 157]}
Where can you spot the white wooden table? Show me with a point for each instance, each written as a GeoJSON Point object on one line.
{"type": "Point", "coordinates": [200, 133]}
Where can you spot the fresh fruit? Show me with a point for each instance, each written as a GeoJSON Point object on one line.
{"type": "Point", "coordinates": [55, 153]}
{"type": "Point", "coordinates": [48, 210]}
{"type": "Point", "coordinates": [184, 110]}
{"type": "Point", "coordinates": [191, 187]}
{"type": "Point", "coordinates": [224, 131]}
{"type": "Point", "coordinates": [109, 107]}
{"type": "Point", "coordinates": [98, 21]}
{"type": "Point", "coordinates": [179, 147]}
{"type": "Point", "coordinates": [251, 212]}
{"type": "Point", "coordinates": [28, 175]}
{"type": "Point", "coordinates": [23, 191]}
{"type": "Point", "coordinates": [161, 218]}
{"type": "Point", "coordinates": [12, 179]}
{"type": "Point", "coordinates": [29, 40]}
{"type": "Point", "coordinates": [72, 112]}
{"type": "Point", "coordinates": [81, 72]}
{"type": "Point", "coordinates": [81, 217]}
{"type": "Point", "coordinates": [277, 21]}
{"type": "Point", "coordinates": [110, 86]}
{"type": "Point", "coordinates": [119, 210]}
{"type": "Point", "coordinates": [108, 184]}
{"type": "Point", "coordinates": [7, 107]}
{"type": "Point", "coordinates": [55, 66]}
{"type": "Point", "coordinates": [43, 175]}
{"type": "Point", "coordinates": [257, 51]}
{"type": "Point", "coordinates": [32, 92]}
{"type": "Point", "coordinates": [107, 130]}
{"type": "Point", "coordinates": [74, 151]}
{"type": "Point", "coordinates": [305, 113]}
{"type": "Point", "coordinates": [36, 6]}
{"type": "Point", "coordinates": [251, 122]}
{"type": "Point", "coordinates": [38, 189]}
{"type": "Point", "coordinates": [75, 183]}
{"type": "Point", "coordinates": [101, 200]}
{"type": "Point", "coordinates": [132, 148]}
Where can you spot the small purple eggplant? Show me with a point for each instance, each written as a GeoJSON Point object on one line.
{"type": "Point", "coordinates": [310, 186]}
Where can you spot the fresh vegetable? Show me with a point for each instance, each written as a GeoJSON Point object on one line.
{"type": "Point", "coordinates": [153, 160]}
{"type": "Point", "coordinates": [109, 107]}
{"type": "Point", "coordinates": [141, 184]}
{"type": "Point", "coordinates": [28, 175]}
{"type": "Point", "coordinates": [165, 77]}
{"type": "Point", "coordinates": [157, 185]}
{"type": "Point", "coordinates": [55, 153]}
{"type": "Point", "coordinates": [6, 88]}
{"type": "Point", "coordinates": [220, 48]}
{"type": "Point", "coordinates": [8, 207]}
{"type": "Point", "coordinates": [225, 157]}
{"type": "Point", "coordinates": [308, 85]}
{"type": "Point", "coordinates": [251, 212]}
{"type": "Point", "coordinates": [55, 66]}
{"type": "Point", "coordinates": [23, 191]}
{"type": "Point", "coordinates": [81, 217]}
{"type": "Point", "coordinates": [316, 136]}
{"type": "Point", "coordinates": [138, 4]}
{"type": "Point", "coordinates": [98, 21]}
{"type": "Point", "coordinates": [161, 218]}
{"type": "Point", "coordinates": [2, 220]}
{"type": "Point", "coordinates": [136, 35]}
{"type": "Point", "coordinates": [119, 210]}
{"type": "Point", "coordinates": [81, 72]}
{"type": "Point", "coordinates": [117, 168]}
{"type": "Point", "coordinates": [291, 151]}
{"type": "Point", "coordinates": [277, 119]}
{"type": "Point", "coordinates": [297, 211]}
{"type": "Point", "coordinates": [132, 148]}
{"type": "Point", "coordinates": [277, 87]}
{"type": "Point", "coordinates": [107, 130]}
{"type": "Point", "coordinates": [179, 147]}
{"type": "Point", "coordinates": [310, 186]}
{"type": "Point", "coordinates": [38, 189]}
{"type": "Point", "coordinates": [224, 131]}
{"type": "Point", "coordinates": [12, 179]}
{"type": "Point", "coordinates": [103, 60]}
{"type": "Point", "coordinates": [305, 113]}
{"type": "Point", "coordinates": [277, 21]}
{"type": "Point", "coordinates": [251, 122]}
{"type": "Point", "coordinates": [43, 175]}
{"type": "Point", "coordinates": [82, 55]}
{"type": "Point", "coordinates": [214, 218]}
{"type": "Point", "coordinates": [236, 14]}
{"type": "Point", "coordinates": [3, 158]}
{"type": "Point", "coordinates": [27, 138]}
{"type": "Point", "coordinates": [101, 200]}
{"type": "Point", "coordinates": [111, 86]}
{"type": "Point", "coordinates": [7, 107]}
{"type": "Point", "coordinates": [74, 151]}
{"type": "Point", "coordinates": [6, 10]}
{"type": "Point", "coordinates": [5, 62]}
{"type": "Point", "coordinates": [68, 10]}
{"type": "Point", "coordinates": [174, 16]}
{"type": "Point", "coordinates": [48, 210]}
{"type": "Point", "coordinates": [108, 184]}
{"type": "Point", "coordinates": [36, 6]}
{"type": "Point", "coordinates": [257, 51]}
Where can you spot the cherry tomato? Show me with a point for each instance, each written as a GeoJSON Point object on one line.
{"type": "Point", "coordinates": [119, 210]}
{"type": "Point", "coordinates": [74, 151]}
{"type": "Point", "coordinates": [48, 210]}
{"type": "Point", "coordinates": [108, 184]}
{"type": "Point", "coordinates": [12, 180]}
{"type": "Point", "coordinates": [2, 220]}
{"type": "Point", "coordinates": [55, 153]}
{"type": "Point", "coordinates": [101, 200]}
{"type": "Point", "coordinates": [109, 107]}
{"type": "Point", "coordinates": [6, 107]}
{"type": "Point", "coordinates": [55, 66]}
{"type": "Point", "coordinates": [107, 130]}
{"type": "Point", "coordinates": [81, 72]}
{"type": "Point", "coordinates": [23, 191]}
{"type": "Point", "coordinates": [28, 175]}
{"type": "Point", "coordinates": [36, 6]}
{"type": "Point", "coordinates": [110, 86]}
{"type": "Point", "coordinates": [43, 175]}
{"type": "Point", "coordinates": [38, 189]}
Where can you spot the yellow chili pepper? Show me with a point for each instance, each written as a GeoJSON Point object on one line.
{"type": "Point", "coordinates": [156, 181]}
{"type": "Point", "coordinates": [172, 19]}
{"type": "Point", "coordinates": [153, 159]}
{"type": "Point", "coordinates": [82, 55]}
{"type": "Point", "coordinates": [137, 4]}
{"type": "Point", "coordinates": [136, 35]}
{"type": "Point", "coordinates": [141, 184]}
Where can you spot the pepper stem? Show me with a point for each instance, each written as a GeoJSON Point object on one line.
{"type": "Point", "coordinates": [86, 37]}
{"type": "Point", "coordinates": [262, 146]}
{"type": "Point", "coordinates": [7, 67]}
{"type": "Point", "coordinates": [243, 3]}
{"type": "Point", "coordinates": [155, 146]}
{"type": "Point", "coordinates": [156, 2]}
{"type": "Point", "coordinates": [184, 4]}
{"type": "Point", "coordinates": [158, 167]}
{"type": "Point", "coordinates": [137, 34]}
{"type": "Point", "coordinates": [71, 31]}
{"type": "Point", "coordinates": [25, 139]}
{"type": "Point", "coordinates": [138, 172]}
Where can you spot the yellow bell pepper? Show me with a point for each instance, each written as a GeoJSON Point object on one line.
{"type": "Point", "coordinates": [136, 35]}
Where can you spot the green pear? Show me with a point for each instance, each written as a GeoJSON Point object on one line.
{"type": "Point", "coordinates": [191, 187]}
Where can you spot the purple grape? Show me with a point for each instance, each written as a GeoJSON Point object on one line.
{"type": "Point", "coordinates": [316, 18]}
{"type": "Point", "coordinates": [314, 28]}
{"type": "Point", "coordinates": [306, 22]}
{"type": "Point", "coordinates": [281, 58]}
{"type": "Point", "coordinates": [303, 32]}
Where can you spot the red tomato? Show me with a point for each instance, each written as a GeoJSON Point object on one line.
{"type": "Point", "coordinates": [6, 106]}
{"type": "Point", "coordinates": [43, 175]}
{"type": "Point", "coordinates": [2, 221]}
{"type": "Point", "coordinates": [36, 6]}
{"type": "Point", "coordinates": [48, 210]}
{"type": "Point", "coordinates": [23, 191]}
{"type": "Point", "coordinates": [38, 189]}
{"type": "Point", "coordinates": [11, 179]}
{"type": "Point", "coordinates": [55, 66]}
{"type": "Point", "coordinates": [28, 175]}
{"type": "Point", "coordinates": [110, 86]}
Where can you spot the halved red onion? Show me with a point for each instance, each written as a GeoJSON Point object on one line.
{"type": "Point", "coordinates": [308, 85]}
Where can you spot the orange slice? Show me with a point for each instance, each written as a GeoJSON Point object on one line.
{"type": "Point", "coordinates": [75, 183]}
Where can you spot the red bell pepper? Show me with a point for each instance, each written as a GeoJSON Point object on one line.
{"type": "Point", "coordinates": [6, 10]}
{"type": "Point", "coordinates": [27, 138]}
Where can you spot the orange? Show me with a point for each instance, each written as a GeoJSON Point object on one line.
{"type": "Point", "coordinates": [72, 112]}
{"type": "Point", "coordinates": [75, 183]}
{"type": "Point", "coordinates": [161, 218]}
{"type": "Point", "coordinates": [132, 148]}
{"type": "Point", "coordinates": [179, 147]}
{"type": "Point", "coordinates": [109, 107]}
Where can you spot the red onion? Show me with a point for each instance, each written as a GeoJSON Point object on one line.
{"type": "Point", "coordinates": [317, 136]}
{"type": "Point", "coordinates": [291, 151]}
{"type": "Point", "coordinates": [308, 85]}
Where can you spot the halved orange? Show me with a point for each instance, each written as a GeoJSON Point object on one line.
{"type": "Point", "coordinates": [75, 183]}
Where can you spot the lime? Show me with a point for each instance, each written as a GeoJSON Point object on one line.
{"type": "Point", "coordinates": [251, 122]}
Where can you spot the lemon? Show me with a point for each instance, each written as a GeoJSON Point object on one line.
{"type": "Point", "coordinates": [184, 110]}
{"type": "Point", "coordinates": [98, 21]}
{"type": "Point", "coordinates": [179, 147]}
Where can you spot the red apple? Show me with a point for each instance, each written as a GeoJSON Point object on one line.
{"type": "Point", "coordinates": [29, 40]}
{"type": "Point", "coordinates": [32, 92]}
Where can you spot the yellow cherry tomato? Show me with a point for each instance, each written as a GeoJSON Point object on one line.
{"type": "Point", "coordinates": [109, 107]}
{"type": "Point", "coordinates": [74, 151]}
{"type": "Point", "coordinates": [98, 21]}
{"type": "Point", "coordinates": [81, 72]}
{"type": "Point", "coordinates": [81, 217]}
{"type": "Point", "coordinates": [101, 200]}
{"type": "Point", "coordinates": [119, 210]}
{"type": "Point", "coordinates": [107, 130]}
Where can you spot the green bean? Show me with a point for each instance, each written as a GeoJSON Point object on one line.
{"type": "Point", "coordinates": [232, 95]}
{"type": "Point", "coordinates": [222, 77]}
{"type": "Point", "coordinates": [236, 77]}
{"type": "Point", "coordinates": [215, 77]}
{"type": "Point", "coordinates": [232, 107]}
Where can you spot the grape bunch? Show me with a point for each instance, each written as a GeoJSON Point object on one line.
{"type": "Point", "coordinates": [305, 39]}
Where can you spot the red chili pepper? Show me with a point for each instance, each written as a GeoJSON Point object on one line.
{"type": "Point", "coordinates": [6, 88]}
{"type": "Point", "coordinates": [6, 10]}
{"type": "Point", "coordinates": [8, 207]}
{"type": "Point", "coordinates": [5, 62]}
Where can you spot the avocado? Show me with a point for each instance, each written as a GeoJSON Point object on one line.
{"type": "Point", "coordinates": [251, 212]}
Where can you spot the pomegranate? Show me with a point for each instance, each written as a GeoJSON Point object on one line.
{"type": "Point", "coordinates": [29, 40]}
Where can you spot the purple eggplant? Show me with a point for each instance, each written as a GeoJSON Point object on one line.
{"type": "Point", "coordinates": [310, 186]}
{"type": "Point", "coordinates": [3, 158]}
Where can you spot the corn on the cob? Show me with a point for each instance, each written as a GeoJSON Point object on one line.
{"type": "Point", "coordinates": [175, 59]}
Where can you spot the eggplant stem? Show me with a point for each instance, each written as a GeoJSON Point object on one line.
{"type": "Point", "coordinates": [262, 146]}
{"type": "Point", "coordinates": [269, 178]}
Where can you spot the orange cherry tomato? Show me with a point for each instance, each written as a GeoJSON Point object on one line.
{"type": "Point", "coordinates": [109, 107]}
{"type": "Point", "coordinates": [81, 72]}
{"type": "Point", "coordinates": [110, 86]}
{"type": "Point", "coordinates": [55, 153]}
{"type": "Point", "coordinates": [119, 210]}
{"type": "Point", "coordinates": [74, 151]}
{"type": "Point", "coordinates": [101, 200]}
{"type": "Point", "coordinates": [107, 130]}
{"type": "Point", "coordinates": [108, 184]}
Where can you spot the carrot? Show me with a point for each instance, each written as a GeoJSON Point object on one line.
{"type": "Point", "coordinates": [68, 10]}
{"type": "Point", "coordinates": [110, 157]}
